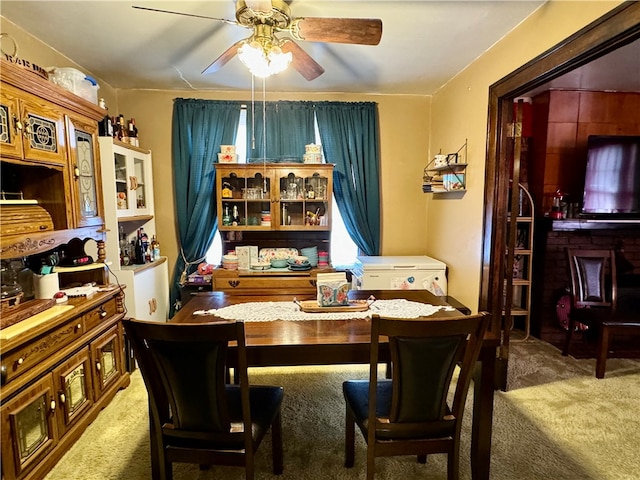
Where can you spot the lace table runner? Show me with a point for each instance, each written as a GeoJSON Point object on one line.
{"type": "Point", "coordinates": [269, 311]}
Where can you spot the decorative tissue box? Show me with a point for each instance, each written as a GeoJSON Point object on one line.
{"type": "Point", "coordinates": [333, 289]}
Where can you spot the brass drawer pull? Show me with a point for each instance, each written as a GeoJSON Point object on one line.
{"type": "Point", "coordinates": [63, 398]}
{"type": "Point", "coordinates": [234, 283]}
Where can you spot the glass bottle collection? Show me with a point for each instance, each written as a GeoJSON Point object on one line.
{"type": "Point", "coordinates": [117, 127]}
{"type": "Point", "coordinates": [139, 250]}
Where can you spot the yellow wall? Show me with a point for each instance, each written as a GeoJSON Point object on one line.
{"type": "Point", "coordinates": [412, 130]}
{"type": "Point", "coordinates": [460, 110]}
{"type": "Point", "coordinates": [32, 49]}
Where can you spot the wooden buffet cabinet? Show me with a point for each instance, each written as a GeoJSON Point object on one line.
{"type": "Point", "coordinates": [277, 205]}
{"type": "Point", "coordinates": [60, 364]}
{"type": "Point", "coordinates": [57, 374]}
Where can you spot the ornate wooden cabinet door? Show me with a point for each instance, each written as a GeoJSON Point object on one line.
{"type": "Point", "coordinates": [42, 131]}
{"type": "Point", "coordinates": [72, 381]}
{"type": "Point", "coordinates": [28, 419]}
{"type": "Point", "coordinates": [107, 356]}
{"type": "Point", "coordinates": [84, 169]}
{"type": "Point", "coordinates": [10, 124]}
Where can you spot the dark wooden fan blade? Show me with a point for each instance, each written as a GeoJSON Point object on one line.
{"type": "Point", "coordinates": [231, 22]}
{"type": "Point", "coordinates": [223, 59]}
{"type": "Point", "coordinates": [361, 31]}
{"type": "Point", "coordinates": [302, 61]}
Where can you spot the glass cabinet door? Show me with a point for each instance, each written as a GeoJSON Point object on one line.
{"type": "Point", "coordinates": [304, 198]}
{"type": "Point", "coordinates": [73, 383]}
{"type": "Point", "coordinates": [140, 191]}
{"type": "Point", "coordinates": [133, 180]}
{"type": "Point", "coordinates": [122, 190]}
{"type": "Point", "coordinates": [87, 199]}
{"type": "Point", "coordinates": [43, 128]}
{"type": "Point", "coordinates": [245, 198]}
{"type": "Point", "coordinates": [28, 423]}
{"type": "Point", "coordinates": [10, 125]}
{"type": "Point", "coordinates": [106, 353]}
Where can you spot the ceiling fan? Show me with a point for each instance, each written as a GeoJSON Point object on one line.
{"type": "Point", "coordinates": [268, 17]}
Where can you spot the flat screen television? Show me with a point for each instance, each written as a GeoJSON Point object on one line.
{"type": "Point", "coordinates": [612, 178]}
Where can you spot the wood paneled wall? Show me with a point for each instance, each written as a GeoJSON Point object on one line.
{"type": "Point", "coordinates": [562, 123]}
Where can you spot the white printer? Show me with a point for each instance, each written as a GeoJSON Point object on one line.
{"type": "Point", "coordinates": [400, 273]}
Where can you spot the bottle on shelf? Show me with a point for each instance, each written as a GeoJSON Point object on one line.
{"type": "Point", "coordinates": [115, 127]}
{"type": "Point", "coordinates": [133, 133]}
{"type": "Point", "coordinates": [155, 248]}
{"type": "Point", "coordinates": [235, 218]}
{"type": "Point", "coordinates": [139, 249]}
{"type": "Point", "coordinates": [226, 217]}
{"type": "Point", "coordinates": [105, 127]}
{"type": "Point", "coordinates": [123, 246]}
{"type": "Point", "coordinates": [123, 132]}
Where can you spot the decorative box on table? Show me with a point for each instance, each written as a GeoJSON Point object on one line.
{"type": "Point", "coordinates": [333, 289]}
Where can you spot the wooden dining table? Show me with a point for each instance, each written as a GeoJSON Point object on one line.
{"type": "Point", "coordinates": [335, 342]}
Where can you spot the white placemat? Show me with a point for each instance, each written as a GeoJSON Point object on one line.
{"type": "Point", "coordinates": [269, 311]}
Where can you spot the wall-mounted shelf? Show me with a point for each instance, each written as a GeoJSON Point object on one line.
{"type": "Point", "coordinates": [446, 173]}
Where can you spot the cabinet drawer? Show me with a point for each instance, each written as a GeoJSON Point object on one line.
{"type": "Point", "coordinates": [22, 359]}
{"type": "Point", "coordinates": [99, 314]}
{"type": "Point", "coordinates": [305, 284]}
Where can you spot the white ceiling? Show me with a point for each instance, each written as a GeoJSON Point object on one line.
{"type": "Point", "coordinates": [424, 43]}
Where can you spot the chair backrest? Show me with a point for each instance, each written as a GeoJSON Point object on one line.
{"type": "Point", "coordinates": [593, 277]}
{"type": "Point", "coordinates": [424, 354]}
{"type": "Point", "coordinates": [184, 370]}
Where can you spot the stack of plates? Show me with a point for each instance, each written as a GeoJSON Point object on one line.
{"type": "Point", "coordinates": [298, 266]}
{"type": "Point", "coordinates": [312, 254]}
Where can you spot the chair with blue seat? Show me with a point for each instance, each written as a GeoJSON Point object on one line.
{"type": "Point", "coordinates": [195, 415]}
{"type": "Point", "coordinates": [413, 413]}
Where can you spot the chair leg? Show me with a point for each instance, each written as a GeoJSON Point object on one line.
{"type": "Point", "coordinates": [349, 439]}
{"type": "Point", "coordinates": [371, 461]}
{"type": "Point", "coordinates": [422, 459]}
{"type": "Point", "coordinates": [567, 339]}
{"type": "Point", "coordinates": [249, 466]}
{"type": "Point", "coordinates": [276, 445]}
{"type": "Point", "coordinates": [604, 338]}
{"type": "Point", "coordinates": [453, 462]}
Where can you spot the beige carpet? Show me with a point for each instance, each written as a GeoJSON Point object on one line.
{"type": "Point", "coordinates": [556, 422]}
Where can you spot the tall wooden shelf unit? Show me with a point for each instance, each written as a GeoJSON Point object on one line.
{"type": "Point", "coordinates": [519, 269]}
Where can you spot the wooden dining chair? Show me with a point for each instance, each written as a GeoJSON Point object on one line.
{"type": "Point", "coordinates": [195, 416]}
{"type": "Point", "coordinates": [594, 292]}
{"type": "Point", "coordinates": [411, 413]}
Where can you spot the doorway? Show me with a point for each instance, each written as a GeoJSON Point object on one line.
{"type": "Point", "coordinates": [619, 27]}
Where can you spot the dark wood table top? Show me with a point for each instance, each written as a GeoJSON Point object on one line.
{"type": "Point", "coordinates": [307, 332]}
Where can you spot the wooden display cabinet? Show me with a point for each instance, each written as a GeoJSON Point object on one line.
{"type": "Point", "coordinates": [48, 151]}
{"type": "Point", "coordinates": [278, 205]}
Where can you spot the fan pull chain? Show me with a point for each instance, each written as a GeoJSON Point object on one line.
{"type": "Point", "coordinates": [253, 112]}
{"type": "Point", "coordinates": [264, 134]}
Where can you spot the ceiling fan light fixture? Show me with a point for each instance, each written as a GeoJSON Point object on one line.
{"type": "Point", "coordinates": [264, 59]}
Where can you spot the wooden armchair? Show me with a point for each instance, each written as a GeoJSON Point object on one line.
{"type": "Point", "coordinates": [194, 415]}
{"type": "Point", "coordinates": [595, 303]}
{"type": "Point", "coordinates": [410, 414]}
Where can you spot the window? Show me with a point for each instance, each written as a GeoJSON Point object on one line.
{"type": "Point", "coordinates": [343, 249]}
